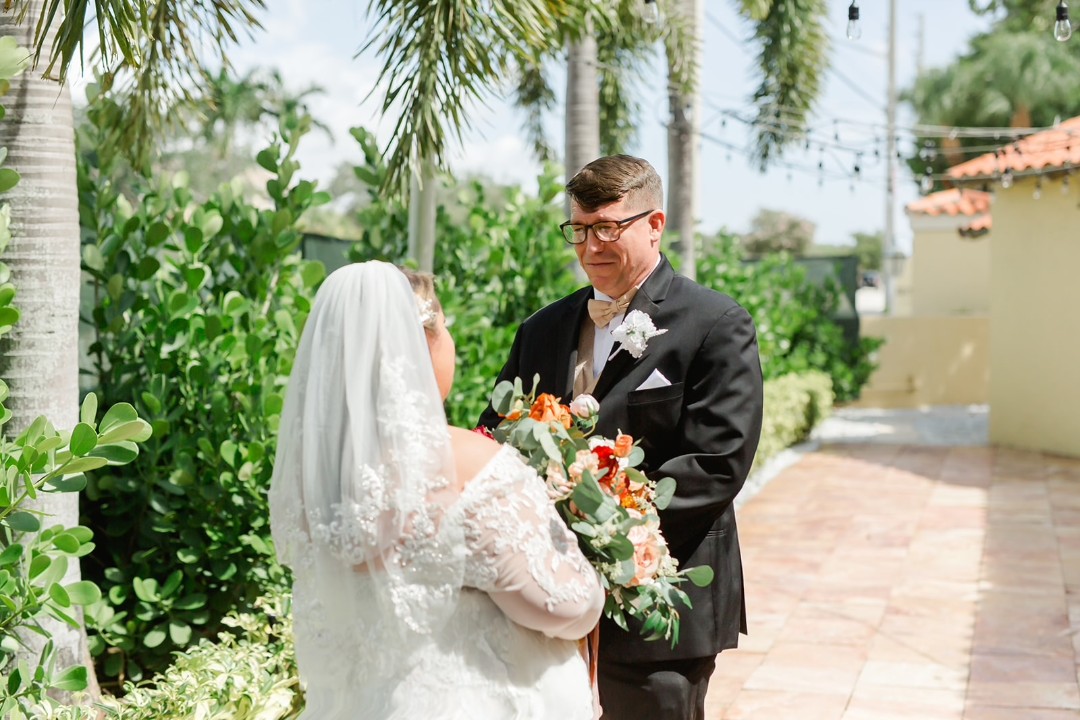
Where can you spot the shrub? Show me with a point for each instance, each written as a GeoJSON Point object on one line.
{"type": "Point", "coordinates": [794, 405]}
{"type": "Point", "coordinates": [249, 673]}
{"type": "Point", "coordinates": [197, 311]}
{"type": "Point", "coordinates": [795, 331]}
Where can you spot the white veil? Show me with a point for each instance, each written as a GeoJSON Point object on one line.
{"type": "Point", "coordinates": [363, 477]}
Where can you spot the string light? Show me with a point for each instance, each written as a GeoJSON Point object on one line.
{"type": "Point", "coordinates": [854, 27]}
{"type": "Point", "coordinates": [926, 183]}
{"type": "Point", "coordinates": [651, 14]}
{"type": "Point", "coordinates": [1063, 27]}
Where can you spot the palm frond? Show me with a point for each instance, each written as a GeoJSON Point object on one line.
{"type": "Point", "coordinates": [535, 96]}
{"type": "Point", "coordinates": [440, 57]}
{"type": "Point", "coordinates": [792, 62]}
{"type": "Point", "coordinates": [155, 53]}
{"type": "Point", "coordinates": [621, 66]}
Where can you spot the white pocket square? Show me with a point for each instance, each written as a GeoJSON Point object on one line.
{"type": "Point", "coordinates": [655, 380]}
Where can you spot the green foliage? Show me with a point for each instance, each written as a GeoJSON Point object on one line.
{"type": "Point", "coordinates": [1035, 15]}
{"type": "Point", "coordinates": [496, 264]}
{"type": "Point", "coordinates": [35, 557]}
{"type": "Point", "coordinates": [773, 231]}
{"type": "Point", "coordinates": [197, 311]}
{"type": "Point", "coordinates": [249, 673]}
{"type": "Point", "coordinates": [794, 405]}
{"type": "Point", "coordinates": [869, 248]}
{"type": "Point", "coordinates": [793, 317]}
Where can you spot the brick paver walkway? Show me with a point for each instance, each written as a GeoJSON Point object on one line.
{"type": "Point", "coordinates": [915, 582]}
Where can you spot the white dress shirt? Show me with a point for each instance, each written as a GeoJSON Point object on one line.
{"type": "Point", "coordinates": [603, 341]}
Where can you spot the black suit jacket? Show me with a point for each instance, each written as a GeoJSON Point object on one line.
{"type": "Point", "coordinates": [702, 430]}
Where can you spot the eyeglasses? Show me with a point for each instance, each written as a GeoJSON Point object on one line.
{"type": "Point", "coordinates": [604, 231]}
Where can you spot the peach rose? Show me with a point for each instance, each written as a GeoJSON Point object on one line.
{"type": "Point", "coordinates": [584, 460]}
{"type": "Point", "coordinates": [648, 552]}
{"type": "Point", "coordinates": [624, 444]}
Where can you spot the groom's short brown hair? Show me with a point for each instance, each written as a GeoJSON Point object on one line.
{"type": "Point", "coordinates": [609, 179]}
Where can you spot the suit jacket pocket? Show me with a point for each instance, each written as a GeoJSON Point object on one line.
{"type": "Point", "coordinates": [654, 413]}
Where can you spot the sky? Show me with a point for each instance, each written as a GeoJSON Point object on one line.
{"type": "Point", "coordinates": [315, 43]}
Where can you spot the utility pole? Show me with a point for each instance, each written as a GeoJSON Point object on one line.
{"type": "Point", "coordinates": [889, 244]}
{"type": "Point", "coordinates": [920, 52]}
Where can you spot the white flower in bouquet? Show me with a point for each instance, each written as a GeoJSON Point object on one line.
{"type": "Point", "coordinates": [635, 332]}
{"type": "Point", "coordinates": [596, 441]}
{"type": "Point", "coordinates": [585, 406]}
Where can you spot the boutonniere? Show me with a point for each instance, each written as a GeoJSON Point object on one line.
{"type": "Point", "coordinates": [634, 333]}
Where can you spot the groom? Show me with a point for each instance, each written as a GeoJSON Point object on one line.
{"type": "Point", "coordinates": [693, 398]}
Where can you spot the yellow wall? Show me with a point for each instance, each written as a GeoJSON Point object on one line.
{"type": "Point", "coordinates": [1035, 321]}
{"type": "Point", "coordinates": [903, 301]}
{"type": "Point", "coordinates": [950, 274]}
{"type": "Point", "coordinates": [928, 360]}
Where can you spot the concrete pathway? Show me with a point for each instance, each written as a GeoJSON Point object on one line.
{"type": "Point", "coordinates": [895, 575]}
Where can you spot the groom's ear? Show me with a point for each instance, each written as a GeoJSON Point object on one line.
{"type": "Point", "coordinates": [657, 223]}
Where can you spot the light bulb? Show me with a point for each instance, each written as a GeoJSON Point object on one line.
{"type": "Point", "coordinates": [651, 14]}
{"type": "Point", "coordinates": [1062, 28]}
{"type": "Point", "coordinates": [927, 183]}
{"type": "Point", "coordinates": [1006, 179]}
{"type": "Point", "coordinates": [854, 28]}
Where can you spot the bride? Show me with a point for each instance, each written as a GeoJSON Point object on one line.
{"type": "Point", "coordinates": [432, 576]}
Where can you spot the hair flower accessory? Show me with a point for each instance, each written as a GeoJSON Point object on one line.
{"type": "Point", "coordinates": [634, 333]}
{"type": "Point", "coordinates": [426, 310]}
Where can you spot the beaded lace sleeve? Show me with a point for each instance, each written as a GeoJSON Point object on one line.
{"type": "Point", "coordinates": [522, 554]}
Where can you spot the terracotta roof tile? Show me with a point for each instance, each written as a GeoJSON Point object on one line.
{"type": "Point", "coordinates": [977, 228]}
{"type": "Point", "coordinates": [952, 202]}
{"type": "Point", "coordinates": [1056, 148]}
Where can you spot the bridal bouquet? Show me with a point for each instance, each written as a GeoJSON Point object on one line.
{"type": "Point", "coordinates": [609, 505]}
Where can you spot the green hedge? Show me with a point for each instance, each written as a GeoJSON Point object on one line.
{"type": "Point", "coordinates": [794, 404]}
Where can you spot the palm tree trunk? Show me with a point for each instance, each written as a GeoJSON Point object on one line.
{"type": "Point", "coordinates": [582, 105]}
{"type": "Point", "coordinates": [422, 213]}
{"type": "Point", "coordinates": [684, 143]}
{"type": "Point", "coordinates": [39, 359]}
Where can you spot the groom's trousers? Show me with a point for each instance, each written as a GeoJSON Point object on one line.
{"type": "Point", "coordinates": [670, 690]}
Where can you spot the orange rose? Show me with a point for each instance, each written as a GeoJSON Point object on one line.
{"type": "Point", "coordinates": [547, 409]}
{"type": "Point", "coordinates": [624, 444]}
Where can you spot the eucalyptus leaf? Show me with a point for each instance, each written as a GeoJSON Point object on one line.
{"type": "Point", "coordinates": [665, 490]}
{"type": "Point", "coordinates": [701, 575]}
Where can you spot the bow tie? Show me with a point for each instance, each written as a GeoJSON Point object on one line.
{"type": "Point", "coordinates": [602, 311]}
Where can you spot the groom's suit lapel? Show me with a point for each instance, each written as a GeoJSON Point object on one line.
{"type": "Point", "coordinates": [647, 299]}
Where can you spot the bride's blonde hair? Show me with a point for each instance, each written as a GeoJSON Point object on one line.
{"type": "Point", "coordinates": [423, 287]}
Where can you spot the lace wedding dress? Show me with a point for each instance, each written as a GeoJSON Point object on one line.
{"type": "Point", "coordinates": [507, 651]}
{"type": "Point", "coordinates": [415, 596]}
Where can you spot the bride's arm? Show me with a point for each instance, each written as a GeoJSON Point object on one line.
{"type": "Point", "coordinates": [527, 559]}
